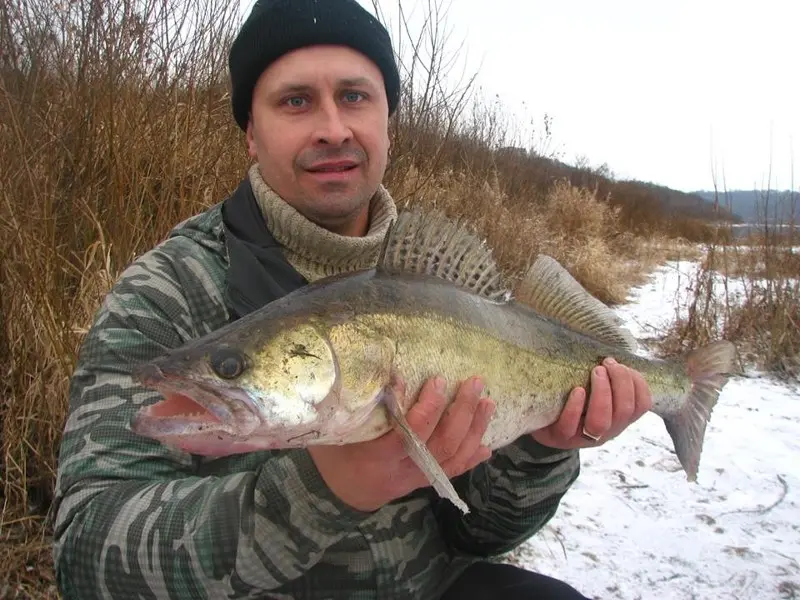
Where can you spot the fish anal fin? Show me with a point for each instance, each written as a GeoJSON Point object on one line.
{"type": "Point", "coordinates": [418, 451]}
{"type": "Point", "coordinates": [430, 243]}
{"type": "Point", "coordinates": [552, 291]}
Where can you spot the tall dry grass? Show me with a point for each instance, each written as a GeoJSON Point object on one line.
{"type": "Point", "coordinates": [115, 124]}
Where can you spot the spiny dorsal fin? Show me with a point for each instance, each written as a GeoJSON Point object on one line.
{"type": "Point", "coordinates": [550, 290]}
{"type": "Point", "coordinates": [432, 244]}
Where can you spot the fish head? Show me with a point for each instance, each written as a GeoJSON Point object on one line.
{"type": "Point", "coordinates": [253, 391]}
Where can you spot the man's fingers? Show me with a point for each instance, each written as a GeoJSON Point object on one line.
{"type": "Point", "coordinates": [644, 399]}
{"type": "Point", "coordinates": [471, 443]}
{"type": "Point", "coordinates": [598, 417]}
{"type": "Point", "coordinates": [481, 454]}
{"type": "Point", "coordinates": [424, 415]}
{"type": "Point", "coordinates": [623, 394]}
{"type": "Point", "coordinates": [569, 422]}
{"type": "Point", "coordinates": [449, 434]}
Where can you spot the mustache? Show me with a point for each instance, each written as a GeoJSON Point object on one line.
{"type": "Point", "coordinates": [318, 155]}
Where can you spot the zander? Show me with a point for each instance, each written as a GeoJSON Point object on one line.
{"type": "Point", "coordinates": [316, 366]}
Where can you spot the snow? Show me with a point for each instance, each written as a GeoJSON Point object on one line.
{"type": "Point", "coordinates": [633, 527]}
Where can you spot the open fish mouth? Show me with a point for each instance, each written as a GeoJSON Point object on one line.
{"type": "Point", "coordinates": [189, 407]}
{"type": "Point", "coordinates": [181, 409]}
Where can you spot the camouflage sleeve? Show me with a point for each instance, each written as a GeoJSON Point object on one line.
{"type": "Point", "coordinates": [511, 497]}
{"type": "Point", "coordinates": [133, 518]}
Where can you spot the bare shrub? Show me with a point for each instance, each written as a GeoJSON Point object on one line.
{"type": "Point", "coordinates": [747, 290]}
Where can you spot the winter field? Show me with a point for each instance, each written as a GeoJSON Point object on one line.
{"type": "Point", "coordinates": [633, 528]}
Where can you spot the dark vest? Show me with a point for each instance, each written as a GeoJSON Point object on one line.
{"type": "Point", "coordinates": [258, 272]}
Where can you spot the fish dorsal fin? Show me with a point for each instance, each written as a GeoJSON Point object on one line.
{"type": "Point", "coordinates": [432, 244]}
{"type": "Point", "coordinates": [549, 289]}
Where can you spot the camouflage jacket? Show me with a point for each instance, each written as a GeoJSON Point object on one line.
{"type": "Point", "coordinates": [134, 519]}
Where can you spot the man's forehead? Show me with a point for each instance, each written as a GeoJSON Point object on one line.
{"type": "Point", "coordinates": [322, 66]}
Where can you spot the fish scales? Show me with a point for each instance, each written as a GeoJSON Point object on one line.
{"type": "Point", "coordinates": [529, 364]}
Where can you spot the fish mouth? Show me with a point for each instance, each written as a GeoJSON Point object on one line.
{"type": "Point", "coordinates": [181, 407]}
{"type": "Point", "coordinates": [189, 407]}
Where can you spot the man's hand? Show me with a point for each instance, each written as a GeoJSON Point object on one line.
{"type": "Point", "coordinates": [619, 397]}
{"type": "Point", "coordinates": [367, 475]}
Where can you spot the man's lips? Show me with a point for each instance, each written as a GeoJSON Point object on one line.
{"type": "Point", "coordinates": [333, 167]}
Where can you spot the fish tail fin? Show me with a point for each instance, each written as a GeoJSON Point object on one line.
{"type": "Point", "coordinates": [709, 368]}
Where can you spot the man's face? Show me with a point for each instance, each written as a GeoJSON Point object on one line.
{"type": "Point", "coordinates": [319, 131]}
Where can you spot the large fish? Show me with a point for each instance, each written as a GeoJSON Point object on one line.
{"type": "Point", "coordinates": [315, 366]}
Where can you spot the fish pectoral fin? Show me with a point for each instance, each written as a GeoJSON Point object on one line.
{"type": "Point", "coordinates": [551, 290]}
{"type": "Point", "coordinates": [419, 452]}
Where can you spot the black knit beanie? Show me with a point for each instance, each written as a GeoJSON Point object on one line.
{"type": "Point", "coordinates": [276, 27]}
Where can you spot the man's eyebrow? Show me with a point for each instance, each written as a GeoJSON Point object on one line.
{"type": "Point", "coordinates": [355, 82]}
{"type": "Point", "coordinates": [293, 88]}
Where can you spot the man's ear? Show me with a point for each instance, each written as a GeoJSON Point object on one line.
{"type": "Point", "coordinates": [251, 140]}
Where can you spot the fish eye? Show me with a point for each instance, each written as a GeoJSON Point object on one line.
{"type": "Point", "coordinates": [227, 363]}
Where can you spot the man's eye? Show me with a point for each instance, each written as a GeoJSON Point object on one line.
{"type": "Point", "coordinates": [296, 101]}
{"type": "Point", "coordinates": [353, 96]}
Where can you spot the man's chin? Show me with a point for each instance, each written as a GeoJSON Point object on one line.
{"type": "Point", "coordinates": [334, 211]}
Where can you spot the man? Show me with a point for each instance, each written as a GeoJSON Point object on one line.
{"type": "Point", "coordinates": [314, 85]}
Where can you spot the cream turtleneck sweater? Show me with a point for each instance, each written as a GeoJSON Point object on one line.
{"type": "Point", "coordinates": [313, 250]}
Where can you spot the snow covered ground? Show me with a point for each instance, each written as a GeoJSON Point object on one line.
{"type": "Point", "coordinates": [633, 528]}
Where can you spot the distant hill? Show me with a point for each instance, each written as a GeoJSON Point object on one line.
{"type": "Point", "coordinates": [750, 205]}
{"type": "Point", "coordinates": [645, 206]}
{"type": "Point", "coordinates": [675, 202]}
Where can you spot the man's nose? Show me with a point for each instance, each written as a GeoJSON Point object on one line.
{"type": "Point", "coordinates": [332, 128]}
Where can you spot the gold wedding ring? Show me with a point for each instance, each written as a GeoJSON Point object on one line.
{"type": "Point", "coordinates": [589, 436]}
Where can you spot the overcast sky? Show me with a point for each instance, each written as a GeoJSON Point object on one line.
{"type": "Point", "coordinates": [660, 91]}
